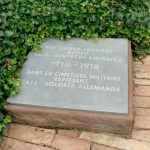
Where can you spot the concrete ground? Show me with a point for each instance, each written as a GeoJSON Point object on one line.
{"type": "Point", "coordinates": [24, 137]}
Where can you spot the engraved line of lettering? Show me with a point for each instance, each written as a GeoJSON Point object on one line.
{"type": "Point", "coordinates": [86, 49]}
{"type": "Point", "coordinates": [30, 82]}
{"type": "Point", "coordinates": [38, 72]}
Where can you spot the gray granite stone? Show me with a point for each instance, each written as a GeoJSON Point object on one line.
{"type": "Point", "coordinates": [90, 75]}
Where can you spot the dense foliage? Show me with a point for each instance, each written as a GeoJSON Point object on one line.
{"type": "Point", "coordinates": [25, 23]}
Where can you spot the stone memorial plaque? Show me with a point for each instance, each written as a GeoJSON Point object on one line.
{"type": "Point", "coordinates": [77, 75]}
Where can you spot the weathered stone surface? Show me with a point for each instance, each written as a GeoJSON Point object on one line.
{"type": "Point", "coordinates": [142, 122]}
{"type": "Point", "coordinates": [142, 102]}
{"type": "Point", "coordinates": [101, 147]}
{"type": "Point", "coordinates": [114, 141]}
{"type": "Point", "coordinates": [12, 144]}
{"type": "Point", "coordinates": [30, 134]}
{"type": "Point", "coordinates": [142, 90]}
{"type": "Point", "coordinates": [57, 81]}
{"type": "Point", "coordinates": [142, 135]}
{"type": "Point", "coordinates": [69, 133]}
{"type": "Point", "coordinates": [65, 143]}
{"type": "Point", "coordinates": [45, 117]}
{"type": "Point", "coordinates": [142, 111]}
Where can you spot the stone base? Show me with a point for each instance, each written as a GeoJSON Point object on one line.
{"type": "Point", "coordinates": [92, 121]}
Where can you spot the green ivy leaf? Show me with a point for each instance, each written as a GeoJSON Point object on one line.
{"type": "Point", "coordinates": [29, 42]}
{"type": "Point", "coordinates": [68, 36]}
{"type": "Point", "coordinates": [1, 33]}
{"type": "Point", "coordinates": [95, 36]}
{"type": "Point", "coordinates": [9, 33]}
{"type": "Point", "coordinates": [7, 119]}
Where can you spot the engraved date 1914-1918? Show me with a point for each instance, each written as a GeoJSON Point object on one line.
{"type": "Point", "coordinates": [63, 64]}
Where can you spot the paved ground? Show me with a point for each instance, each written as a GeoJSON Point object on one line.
{"type": "Point", "coordinates": [23, 137]}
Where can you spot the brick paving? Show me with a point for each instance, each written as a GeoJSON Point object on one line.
{"type": "Point", "coordinates": [24, 137]}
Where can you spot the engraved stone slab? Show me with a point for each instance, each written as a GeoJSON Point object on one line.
{"type": "Point", "coordinates": [77, 74]}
